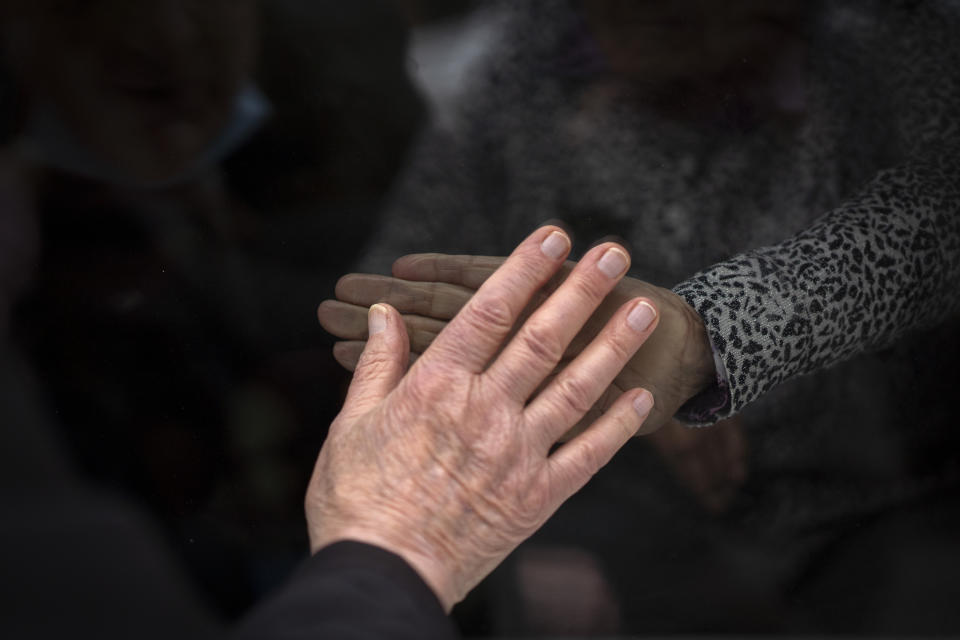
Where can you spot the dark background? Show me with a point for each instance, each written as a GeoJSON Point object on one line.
{"type": "Point", "coordinates": [165, 386]}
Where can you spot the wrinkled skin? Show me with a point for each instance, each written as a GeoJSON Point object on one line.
{"type": "Point", "coordinates": [674, 365]}
{"type": "Point", "coordinates": [430, 288]}
{"type": "Point", "coordinates": [449, 464]}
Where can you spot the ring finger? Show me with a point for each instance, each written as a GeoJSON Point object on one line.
{"type": "Point", "coordinates": [577, 388]}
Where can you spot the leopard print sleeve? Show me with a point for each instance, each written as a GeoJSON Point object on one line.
{"type": "Point", "coordinates": [886, 263]}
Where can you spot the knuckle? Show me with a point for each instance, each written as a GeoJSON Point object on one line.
{"type": "Point", "coordinates": [589, 461]}
{"type": "Point", "coordinates": [618, 346]}
{"type": "Point", "coordinates": [576, 394]}
{"type": "Point", "coordinates": [542, 342]}
{"type": "Point", "coordinates": [527, 269]}
{"type": "Point", "coordinates": [372, 365]}
{"type": "Point", "coordinates": [627, 423]}
{"type": "Point", "coordinates": [589, 288]}
{"type": "Point", "coordinates": [491, 314]}
{"type": "Point", "coordinates": [432, 302]}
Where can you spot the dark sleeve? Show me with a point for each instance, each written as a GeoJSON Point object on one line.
{"type": "Point", "coordinates": [351, 590]}
{"type": "Point", "coordinates": [883, 263]}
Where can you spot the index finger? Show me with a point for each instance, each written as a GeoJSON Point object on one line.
{"type": "Point", "coordinates": [474, 336]}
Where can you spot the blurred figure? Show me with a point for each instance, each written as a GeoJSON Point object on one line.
{"type": "Point", "coordinates": [177, 184]}
{"type": "Point", "coordinates": [131, 94]}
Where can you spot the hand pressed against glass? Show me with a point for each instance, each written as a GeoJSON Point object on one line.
{"type": "Point", "coordinates": [429, 289]}
{"type": "Point", "coordinates": [674, 364]}
{"type": "Point", "coordinates": [449, 464]}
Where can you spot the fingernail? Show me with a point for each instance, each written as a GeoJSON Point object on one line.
{"type": "Point", "coordinates": [376, 319]}
{"type": "Point", "coordinates": [643, 403]}
{"type": "Point", "coordinates": [641, 317]}
{"type": "Point", "coordinates": [555, 246]}
{"type": "Point", "coordinates": [613, 262]}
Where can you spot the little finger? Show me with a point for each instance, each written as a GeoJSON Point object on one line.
{"type": "Point", "coordinates": [577, 388]}
{"type": "Point", "coordinates": [574, 463]}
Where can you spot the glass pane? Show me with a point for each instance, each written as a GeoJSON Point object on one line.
{"type": "Point", "coordinates": [183, 182]}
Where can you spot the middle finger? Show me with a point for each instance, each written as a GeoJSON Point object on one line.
{"type": "Point", "coordinates": [542, 340]}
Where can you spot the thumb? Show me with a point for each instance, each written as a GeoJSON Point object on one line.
{"type": "Point", "coordinates": [383, 361]}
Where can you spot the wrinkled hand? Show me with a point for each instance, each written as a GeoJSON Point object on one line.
{"type": "Point", "coordinates": [429, 289]}
{"type": "Point", "coordinates": [449, 465]}
{"type": "Point", "coordinates": [711, 462]}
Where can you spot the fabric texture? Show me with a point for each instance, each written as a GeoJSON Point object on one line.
{"type": "Point", "coordinates": [884, 262]}
{"type": "Point", "coordinates": [351, 590]}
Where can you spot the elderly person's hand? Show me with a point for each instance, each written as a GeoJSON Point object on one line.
{"type": "Point", "coordinates": [429, 289]}
{"type": "Point", "coordinates": [449, 465]}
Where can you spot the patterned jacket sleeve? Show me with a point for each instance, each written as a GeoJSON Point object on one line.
{"type": "Point", "coordinates": [882, 264]}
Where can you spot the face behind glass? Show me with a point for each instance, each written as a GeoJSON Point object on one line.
{"type": "Point", "coordinates": [144, 85]}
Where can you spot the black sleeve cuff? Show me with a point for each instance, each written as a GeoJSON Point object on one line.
{"type": "Point", "coordinates": [351, 590]}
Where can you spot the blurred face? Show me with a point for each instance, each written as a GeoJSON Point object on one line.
{"type": "Point", "coordinates": [667, 40]}
{"type": "Point", "coordinates": [144, 84]}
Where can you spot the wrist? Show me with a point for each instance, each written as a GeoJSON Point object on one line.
{"type": "Point", "coordinates": [696, 355]}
